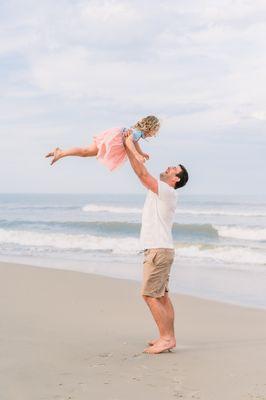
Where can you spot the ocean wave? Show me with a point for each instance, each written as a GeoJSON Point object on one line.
{"type": "Point", "coordinates": [114, 228]}
{"type": "Point", "coordinates": [37, 207]}
{"type": "Point", "coordinates": [129, 246]}
{"type": "Point", "coordinates": [222, 213]}
{"type": "Point", "coordinates": [184, 211]}
{"type": "Point", "coordinates": [111, 209]}
{"type": "Point", "coordinates": [120, 228]}
{"type": "Point", "coordinates": [110, 227]}
{"type": "Point", "coordinates": [235, 232]}
{"type": "Point", "coordinates": [117, 209]}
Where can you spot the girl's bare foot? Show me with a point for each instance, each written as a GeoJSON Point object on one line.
{"type": "Point", "coordinates": [55, 154]}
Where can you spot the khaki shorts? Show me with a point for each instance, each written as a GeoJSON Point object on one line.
{"type": "Point", "coordinates": [156, 270]}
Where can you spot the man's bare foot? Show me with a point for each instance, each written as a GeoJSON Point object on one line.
{"type": "Point", "coordinates": [55, 154]}
{"type": "Point", "coordinates": [160, 346]}
{"type": "Point", "coordinates": [152, 342]}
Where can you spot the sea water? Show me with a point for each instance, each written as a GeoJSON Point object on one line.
{"type": "Point", "coordinates": [220, 241]}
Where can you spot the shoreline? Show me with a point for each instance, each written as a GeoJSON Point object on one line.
{"type": "Point", "coordinates": [70, 335]}
{"type": "Point", "coordinates": [186, 275]}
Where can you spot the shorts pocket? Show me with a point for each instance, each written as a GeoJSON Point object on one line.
{"type": "Point", "coordinates": [149, 256]}
{"type": "Point", "coordinates": [163, 258]}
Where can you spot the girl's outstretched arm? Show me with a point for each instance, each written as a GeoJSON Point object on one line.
{"type": "Point", "coordinates": [130, 145]}
{"type": "Point", "coordinates": [139, 150]}
{"type": "Point", "coordinates": [57, 153]}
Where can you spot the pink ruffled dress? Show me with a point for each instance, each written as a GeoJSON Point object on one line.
{"type": "Point", "coordinates": [111, 149]}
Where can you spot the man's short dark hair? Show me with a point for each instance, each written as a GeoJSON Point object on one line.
{"type": "Point", "coordinates": [183, 175]}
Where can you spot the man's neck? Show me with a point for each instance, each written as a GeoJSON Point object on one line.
{"type": "Point", "coordinates": [165, 181]}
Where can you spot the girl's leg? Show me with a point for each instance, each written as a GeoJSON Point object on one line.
{"type": "Point", "coordinates": [57, 153]}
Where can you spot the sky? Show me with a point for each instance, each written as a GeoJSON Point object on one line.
{"type": "Point", "coordinates": [71, 69]}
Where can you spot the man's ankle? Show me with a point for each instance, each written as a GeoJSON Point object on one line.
{"type": "Point", "coordinates": [167, 338]}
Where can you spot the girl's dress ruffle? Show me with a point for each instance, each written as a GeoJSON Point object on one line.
{"type": "Point", "coordinates": [111, 150]}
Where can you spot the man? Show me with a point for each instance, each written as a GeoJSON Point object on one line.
{"type": "Point", "coordinates": [156, 240]}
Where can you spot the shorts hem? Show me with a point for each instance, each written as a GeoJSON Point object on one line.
{"type": "Point", "coordinates": [154, 295]}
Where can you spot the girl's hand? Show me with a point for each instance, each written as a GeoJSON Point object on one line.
{"type": "Point", "coordinates": [146, 156]}
{"type": "Point", "coordinates": [56, 153]}
{"type": "Point", "coordinates": [140, 158]}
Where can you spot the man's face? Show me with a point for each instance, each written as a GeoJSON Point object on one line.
{"type": "Point", "coordinates": [169, 175]}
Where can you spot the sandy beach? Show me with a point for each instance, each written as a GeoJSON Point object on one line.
{"type": "Point", "coordinates": [71, 335]}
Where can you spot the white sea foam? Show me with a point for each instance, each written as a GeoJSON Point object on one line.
{"type": "Point", "coordinates": [229, 255]}
{"type": "Point", "coordinates": [62, 241]}
{"type": "Point", "coordinates": [254, 234]}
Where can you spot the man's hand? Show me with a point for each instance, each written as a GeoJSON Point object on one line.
{"type": "Point", "coordinates": [128, 133]}
{"type": "Point", "coordinates": [146, 156]}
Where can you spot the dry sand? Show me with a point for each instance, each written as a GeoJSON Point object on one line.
{"type": "Point", "coordinates": [70, 335]}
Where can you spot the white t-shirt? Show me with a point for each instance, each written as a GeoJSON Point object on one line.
{"type": "Point", "coordinates": [157, 218]}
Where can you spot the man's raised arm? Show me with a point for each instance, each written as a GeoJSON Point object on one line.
{"type": "Point", "coordinates": [141, 171]}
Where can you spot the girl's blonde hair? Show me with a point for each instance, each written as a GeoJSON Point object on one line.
{"type": "Point", "coordinates": [148, 124]}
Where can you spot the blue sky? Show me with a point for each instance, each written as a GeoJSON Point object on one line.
{"type": "Point", "coordinates": [70, 69]}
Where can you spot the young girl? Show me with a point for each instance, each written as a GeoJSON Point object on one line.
{"type": "Point", "coordinates": [109, 146]}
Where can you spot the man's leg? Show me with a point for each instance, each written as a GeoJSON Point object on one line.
{"type": "Point", "coordinates": [163, 314]}
{"type": "Point", "coordinates": [170, 313]}
{"type": "Point", "coordinates": [156, 270]}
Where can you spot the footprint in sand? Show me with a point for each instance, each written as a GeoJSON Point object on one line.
{"type": "Point", "coordinates": [105, 355]}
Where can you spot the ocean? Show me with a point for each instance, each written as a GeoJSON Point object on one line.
{"type": "Point", "coordinates": [220, 241]}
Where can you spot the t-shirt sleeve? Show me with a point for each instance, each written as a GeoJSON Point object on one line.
{"type": "Point", "coordinates": [136, 135]}
{"type": "Point", "coordinates": [165, 192]}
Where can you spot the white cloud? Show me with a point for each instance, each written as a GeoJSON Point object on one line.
{"type": "Point", "coordinates": [113, 12]}
{"type": "Point", "coordinates": [260, 115]}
